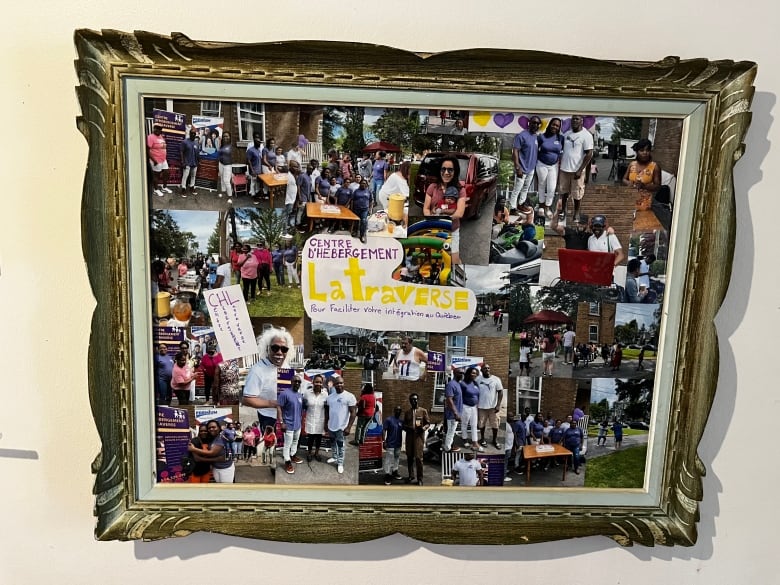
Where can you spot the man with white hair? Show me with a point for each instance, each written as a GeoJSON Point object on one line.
{"type": "Point", "coordinates": [260, 390]}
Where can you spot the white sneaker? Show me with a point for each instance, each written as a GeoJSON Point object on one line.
{"type": "Point", "coordinates": [340, 469]}
{"type": "Point", "coordinates": [159, 193]}
{"type": "Point", "coordinates": [219, 195]}
{"type": "Point", "coordinates": [230, 201]}
{"type": "Point", "coordinates": [167, 190]}
{"type": "Point", "coordinates": [507, 478]}
{"type": "Point", "coordinates": [332, 460]}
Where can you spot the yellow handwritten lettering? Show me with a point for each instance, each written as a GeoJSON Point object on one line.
{"type": "Point", "coordinates": [354, 272]}
{"type": "Point", "coordinates": [461, 300]}
{"type": "Point", "coordinates": [337, 291]}
{"type": "Point", "coordinates": [421, 298]}
{"type": "Point", "coordinates": [404, 292]}
{"type": "Point", "coordinates": [313, 294]}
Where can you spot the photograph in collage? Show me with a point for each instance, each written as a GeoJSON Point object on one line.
{"type": "Point", "coordinates": [350, 295]}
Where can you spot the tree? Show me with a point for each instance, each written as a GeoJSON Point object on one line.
{"type": "Point", "coordinates": [628, 128]}
{"type": "Point", "coordinates": [519, 306]}
{"type": "Point", "coordinates": [565, 296]}
{"type": "Point", "coordinates": [599, 410]}
{"type": "Point", "coordinates": [266, 225]}
{"type": "Point", "coordinates": [331, 121]}
{"type": "Point", "coordinates": [637, 394]}
{"type": "Point", "coordinates": [165, 236]}
{"type": "Point", "coordinates": [320, 341]}
{"type": "Point", "coordinates": [398, 126]}
{"type": "Point", "coordinates": [212, 247]}
{"type": "Point", "coordinates": [627, 333]}
{"type": "Point", "coordinates": [354, 142]}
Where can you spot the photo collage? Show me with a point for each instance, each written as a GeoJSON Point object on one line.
{"type": "Point", "coordinates": [355, 295]}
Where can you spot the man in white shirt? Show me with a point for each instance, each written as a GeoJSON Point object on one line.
{"type": "Point", "coordinates": [469, 470]}
{"type": "Point", "coordinates": [223, 273]}
{"type": "Point", "coordinates": [577, 153]}
{"type": "Point", "coordinates": [601, 241]}
{"type": "Point", "coordinates": [491, 393]}
{"type": "Point", "coordinates": [568, 345]}
{"type": "Point", "coordinates": [291, 194]}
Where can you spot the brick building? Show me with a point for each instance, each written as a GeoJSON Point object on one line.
{"type": "Point", "coordinates": [611, 199]}
{"type": "Point", "coordinates": [595, 322]}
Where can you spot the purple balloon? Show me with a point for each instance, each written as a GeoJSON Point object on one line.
{"type": "Point", "coordinates": [503, 120]}
{"type": "Point", "coordinates": [588, 122]}
{"type": "Point", "coordinates": [565, 125]}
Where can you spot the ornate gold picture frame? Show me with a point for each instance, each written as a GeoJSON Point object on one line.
{"type": "Point", "coordinates": [120, 72]}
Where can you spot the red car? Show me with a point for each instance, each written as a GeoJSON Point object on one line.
{"type": "Point", "coordinates": [478, 175]}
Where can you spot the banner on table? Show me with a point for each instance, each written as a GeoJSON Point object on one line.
{"type": "Point", "coordinates": [346, 282]}
{"type": "Point", "coordinates": [173, 437]}
{"type": "Point", "coordinates": [230, 320]}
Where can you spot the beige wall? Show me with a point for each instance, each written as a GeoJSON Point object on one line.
{"type": "Point", "coordinates": [46, 305]}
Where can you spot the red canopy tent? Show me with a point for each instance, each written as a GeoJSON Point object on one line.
{"type": "Point", "coordinates": [547, 317]}
{"type": "Point", "coordinates": [377, 146]}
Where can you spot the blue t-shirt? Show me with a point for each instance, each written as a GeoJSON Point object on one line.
{"type": "Point", "coordinates": [343, 195]}
{"type": "Point", "coordinates": [528, 149]}
{"type": "Point", "coordinates": [164, 365]}
{"type": "Point", "coordinates": [550, 148]}
{"type": "Point", "coordinates": [453, 390]}
{"type": "Point", "coordinates": [254, 158]}
{"type": "Point", "coordinates": [520, 435]}
{"type": "Point", "coordinates": [572, 437]}
{"type": "Point", "coordinates": [556, 435]}
{"type": "Point", "coordinates": [361, 199]}
{"type": "Point", "coordinates": [470, 393]}
{"type": "Point", "coordinates": [276, 257]}
{"type": "Point", "coordinates": [290, 254]}
{"type": "Point", "coordinates": [324, 185]}
{"type": "Point", "coordinates": [270, 156]}
{"type": "Point", "coordinates": [536, 430]}
{"type": "Point", "coordinates": [394, 429]}
{"type": "Point", "coordinates": [304, 185]}
{"type": "Point", "coordinates": [378, 172]}
{"type": "Point", "coordinates": [291, 403]}
{"type": "Point", "coordinates": [617, 428]}
{"type": "Point", "coordinates": [190, 150]}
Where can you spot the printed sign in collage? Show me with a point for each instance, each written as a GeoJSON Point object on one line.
{"type": "Point", "coordinates": [349, 295]}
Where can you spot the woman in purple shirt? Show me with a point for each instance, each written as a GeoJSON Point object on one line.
{"type": "Point", "coordinates": [550, 148]}
{"type": "Point", "coordinates": [322, 187]}
{"type": "Point", "coordinates": [470, 400]}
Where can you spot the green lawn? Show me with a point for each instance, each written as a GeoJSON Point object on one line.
{"type": "Point", "coordinates": [593, 431]}
{"type": "Point", "coordinates": [622, 469]}
{"type": "Point", "coordinates": [632, 354]}
{"type": "Point", "coordinates": [282, 302]}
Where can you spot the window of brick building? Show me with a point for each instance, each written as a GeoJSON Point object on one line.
{"type": "Point", "coordinates": [593, 333]}
{"type": "Point", "coordinates": [529, 393]}
{"type": "Point", "coordinates": [211, 108]}
{"type": "Point", "coordinates": [594, 309]}
{"type": "Point", "coordinates": [251, 119]}
{"type": "Point", "coordinates": [456, 345]}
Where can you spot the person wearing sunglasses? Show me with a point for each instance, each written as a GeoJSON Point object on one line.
{"type": "Point", "coordinates": [449, 178]}
{"type": "Point", "coordinates": [260, 390]}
